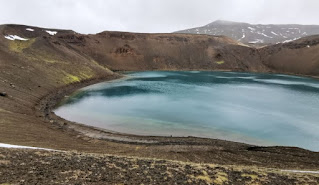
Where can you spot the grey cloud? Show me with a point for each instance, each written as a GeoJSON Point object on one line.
{"type": "Point", "coordinates": [153, 15]}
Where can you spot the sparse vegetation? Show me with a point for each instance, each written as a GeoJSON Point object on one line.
{"type": "Point", "coordinates": [19, 46]}
{"type": "Point", "coordinates": [220, 62]}
{"type": "Point", "coordinates": [72, 168]}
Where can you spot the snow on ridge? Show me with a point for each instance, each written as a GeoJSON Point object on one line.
{"type": "Point", "coordinates": [51, 32]}
{"type": "Point", "coordinates": [3, 145]}
{"type": "Point", "coordinates": [274, 33]}
{"type": "Point", "coordinates": [29, 29]}
{"type": "Point", "coordinates": [14, 37]}
{"type": "Point", "coordinates": [286, 41]}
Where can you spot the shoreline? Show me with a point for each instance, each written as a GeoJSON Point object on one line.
{"type": "Point", "coordinates": [61, 134]}
{"type": "Point", "coordinates": [50, 102]}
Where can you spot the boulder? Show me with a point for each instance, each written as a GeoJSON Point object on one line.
{"type": "Point", "coordinates": [3, 94]}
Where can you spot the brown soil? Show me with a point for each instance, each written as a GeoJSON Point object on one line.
{"type": "Point", "coordinates": [37, 73]}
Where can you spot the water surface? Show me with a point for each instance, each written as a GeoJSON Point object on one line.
{"type": "Point", "coordinates": [264, 109]}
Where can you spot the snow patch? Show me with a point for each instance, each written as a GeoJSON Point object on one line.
{"type": "Point", "coordinates": [14, 37]}
{"type": "Point", "coordinates": [29, 29]}
{"type": "Point", "coordinates": [256, 41]}
{"type": "Point", "coordinates": [274, 33]}
{"type": "Point", "coordinates": [283, 36]}
{"type": "Point", "coordinates": [264, 35]}
{"type": "Point", "coordinates": [242, 37]}
{"type": "Point", "coordinates": [300, 171]}
{"type": "Point", "coordinates": [3, 145]}
{"type": "Point", "coordinates": [290, 40]}
{"type": "Point", "coordinates": [252, 29]}
{"type": "Point", "coordinates": [51, 32]}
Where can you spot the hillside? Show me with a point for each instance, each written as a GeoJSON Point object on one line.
{"type": "Point", "coordinates": [298, 57]}
{"type": "Point", "coordinates": [256, 33]}
{"type": "Point", "coordinates": [39, 66]}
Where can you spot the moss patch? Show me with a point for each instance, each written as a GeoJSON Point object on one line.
{"type": "Point", "coordinates": [69, 78]}
{"type": "Point", "coordinates": [220, 62]}
{"type": "Point", "coordinates": [19, 46]}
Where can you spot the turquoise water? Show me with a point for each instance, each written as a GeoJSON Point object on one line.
{"type": "Point", "coordinates": [263, 109]}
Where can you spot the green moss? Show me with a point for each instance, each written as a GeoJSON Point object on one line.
{"type": "Point", "coordinates": [102, 67]}
{"type": "Point", "coordinates": [50, 61]}
{"type": "Point", "coordinates": [86, 73]}
{"type": "Point", "coordinates": [220, 62]}
{"type": "Point", "coordinates": [69, 78]}
{"type": "Point", "coordinates": [19, 45]}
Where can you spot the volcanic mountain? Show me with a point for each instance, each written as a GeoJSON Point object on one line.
{"type": "Point", "coordinates": [256, 33]}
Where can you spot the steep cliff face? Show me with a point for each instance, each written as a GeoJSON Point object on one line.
{"type": "Point", "coordinates": [131, 51]}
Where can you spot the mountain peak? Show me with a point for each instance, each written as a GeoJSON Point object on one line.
{"type": "Point", "coordinates": [255, 33]}
{"type": "Point", "coordinates": [225, 22]}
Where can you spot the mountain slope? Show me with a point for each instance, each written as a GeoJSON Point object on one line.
{"type": "Point", "coordinates": [297, 57]}
{"type": "Point", "coordinates": [256, 34]}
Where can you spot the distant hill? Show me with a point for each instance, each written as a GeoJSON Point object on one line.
{"type": "Point", "coordinates": [256, 34]}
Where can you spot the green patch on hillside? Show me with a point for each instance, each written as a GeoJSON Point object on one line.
{"type": "Point", "coordinates": [77, 76]}
{"type": "Point", "coordinates": [69, 78]}
{"type": "Point", "coordinates": [19, 45]}
{"type": "Point", "coordinates": [220, 62]}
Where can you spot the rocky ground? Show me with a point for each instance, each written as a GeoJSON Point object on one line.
{"type": "Point", "coordinates": [55, 167]}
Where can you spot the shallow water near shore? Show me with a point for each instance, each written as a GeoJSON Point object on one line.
{"type": "Point", "coordinates": [263, 109]}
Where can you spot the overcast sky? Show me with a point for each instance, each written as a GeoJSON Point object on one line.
{"type": "Point", "coordinates": [91, 16]}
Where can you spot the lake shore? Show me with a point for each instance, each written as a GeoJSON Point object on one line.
{"type": "Point", "coordinates": [42, 128]}
{"type": "Point", "coordinates": [79, 137]}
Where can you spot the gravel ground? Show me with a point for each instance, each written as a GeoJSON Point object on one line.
{"type": "Point", "coordinates": [23, 166]}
